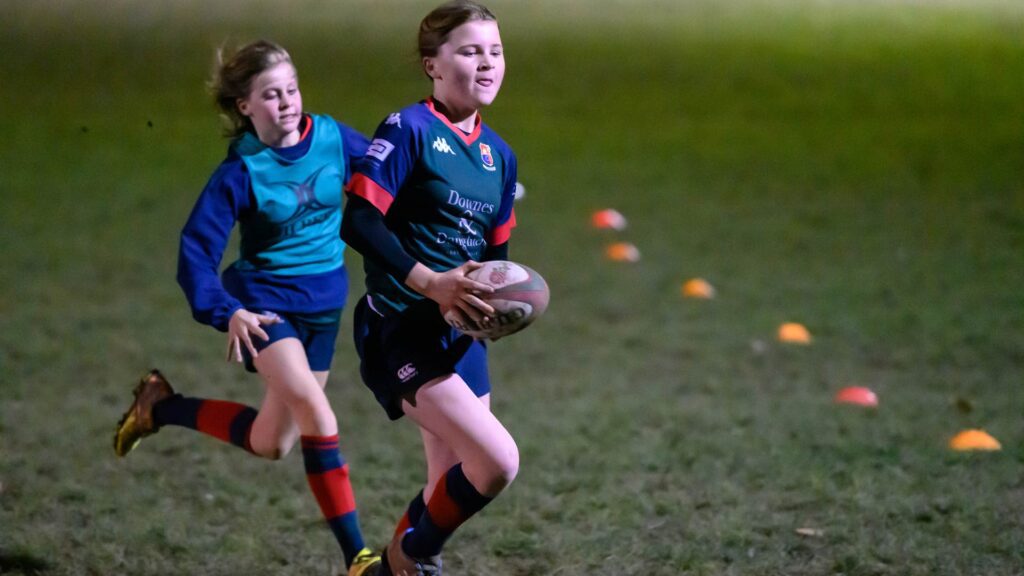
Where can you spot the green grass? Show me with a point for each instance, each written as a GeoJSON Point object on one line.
{"type": "Point", "coordinates": [854, 167]}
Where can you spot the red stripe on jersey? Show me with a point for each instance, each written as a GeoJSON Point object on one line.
{"type": "Point", "coordinates": [333, 492]}
{"type": "Point", "coordinates": [215, 417]}
{"type": "Point", "coordinates": [467, 138]}
{"type": "Point", "coordinates": [309, 125]}
{"type": "Point", "coordinates": [501, 233]}
{"type": "Point", "coordinates": [361, 185]}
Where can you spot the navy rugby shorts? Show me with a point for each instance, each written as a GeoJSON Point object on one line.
{"type": "Point", "coordinates": [400, 353]}
{"type": "Point", "coordinates": [317, 332]}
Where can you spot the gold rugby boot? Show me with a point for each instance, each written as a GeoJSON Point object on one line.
{"type": "Point", "coordinates": [366, 563]}
{"type": "Point", "coordinates": [137, 422]}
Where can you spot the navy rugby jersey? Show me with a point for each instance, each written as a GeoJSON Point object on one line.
{"type": "Point", "coordinates": [287, 202]}
{"type": "Point", "coordinates": [446, 195]}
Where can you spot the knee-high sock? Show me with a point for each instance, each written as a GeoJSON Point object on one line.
{"type": "Point", "coordinates": [412, 514]}
{"type": "Point", "coordinates": [327, 474]}
{"type": "Point", "coordinates": [453, 502]}
{"type": "Point", "coordinates": [227, 421]}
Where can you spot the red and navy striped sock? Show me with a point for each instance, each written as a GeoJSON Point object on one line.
{"type": "Point", "coordinates": [412, 514]}
{"type": "Point", "coordinates": [453, 502]}
{"type": "Point", "coordinates": [327, 474]}
{"type": "Point", "coordinates": [228, 421]}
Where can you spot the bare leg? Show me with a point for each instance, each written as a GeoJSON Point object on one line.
{"type": "Point", "coordinates": [448, 409]}
{"type": "Point", "coordinates": [274, 432]}
{"type": "Point", "coordinates": [456, 427]}
{"type": "Point", "coordinates": [291, 384]}
{"type": "Point", "coordinates": [440, 457]}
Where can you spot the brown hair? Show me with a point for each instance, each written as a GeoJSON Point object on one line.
{"type": "Point", "coordinates": [436, 26]}
{"type": "Point", "coordinates": [233, 75]}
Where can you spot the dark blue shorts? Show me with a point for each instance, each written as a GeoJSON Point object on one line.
{"type": "Point", "coordinates": [317, 332]}
{"type": "Point", "coordinates": [400, 353]}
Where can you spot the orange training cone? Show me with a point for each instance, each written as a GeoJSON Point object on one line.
{"type": "Point", "coordinates": [969, 440]}
{"type": "Point", "coordinates": [622, 252]}
{"type": "Point", "coordinates": [609, 218]}
{"type": "Point", "coordinates": [858, 395]}
{"type": "Point", "coordinates": [698, 288]}
{"type": "Point", "coordinates": [794, 333]}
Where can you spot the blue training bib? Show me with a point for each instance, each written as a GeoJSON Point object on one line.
{"type": "Point", "coordinates": [297, 220]}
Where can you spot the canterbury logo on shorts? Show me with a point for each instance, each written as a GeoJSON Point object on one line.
{"type": "Point", "coordinates": [406, 372]}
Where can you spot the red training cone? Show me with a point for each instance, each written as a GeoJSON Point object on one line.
{"type": "Point", "coordinates": [858, 395]}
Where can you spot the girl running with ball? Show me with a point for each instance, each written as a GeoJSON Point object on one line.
{"type": "Point", "coordinates": [432, 198]}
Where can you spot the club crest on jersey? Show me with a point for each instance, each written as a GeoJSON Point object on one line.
{"type": "Point", "coordinates": [485, 157]}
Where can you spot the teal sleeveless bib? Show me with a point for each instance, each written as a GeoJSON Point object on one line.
{"type": "Point", "coordinates": [294, 229]}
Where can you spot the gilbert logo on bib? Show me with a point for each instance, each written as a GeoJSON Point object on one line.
{"type": "Point", "coordinates": [485, 157]}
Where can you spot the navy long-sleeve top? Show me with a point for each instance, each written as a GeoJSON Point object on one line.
{"type": "Point", "coordinates": [230, 197]}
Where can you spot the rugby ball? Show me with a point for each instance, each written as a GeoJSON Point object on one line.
{"type": "Point", "coordinates": [520, 296]}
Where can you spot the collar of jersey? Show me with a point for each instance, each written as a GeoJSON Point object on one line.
{"type": "Point", "coordinates": [309, 126]}
{"type": "Point", "coordinates": [467, 138]}
{"type": "Point", "coordinates": [249, 143]}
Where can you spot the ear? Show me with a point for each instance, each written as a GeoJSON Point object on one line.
{"type": "Point", "coordinates": [243, 106]}
{"type": "Point", "coordinates": [430, 68]}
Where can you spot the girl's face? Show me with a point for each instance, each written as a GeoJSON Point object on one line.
{"type": "Point", "coordinates": [274, 105]}
{"type": "Point", "coordinates": [469, 66]}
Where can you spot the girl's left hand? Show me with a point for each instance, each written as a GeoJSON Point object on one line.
{"type": "Point", "coordinates": [453, 290]}
{"type": "Point", "coordinates": [242, 327]}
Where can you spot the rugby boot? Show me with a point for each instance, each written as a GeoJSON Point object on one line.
{"type": "Point", "coordinates": [385, 569]}
{"type": "Point", "coordinates": [401, 564]}
{"type": "Point", "coordinates": [137, 422]}
{"type": "Point", "coordinates": [366, 563]}
{"type": "Point", "coordinates": [429, 566]}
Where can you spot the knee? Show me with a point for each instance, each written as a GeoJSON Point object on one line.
{"type": "Point", "coordinates": [312, 407]}
{"type": "Point", "coordinates": [310, 402]}
{"type": "Point", "coordinates": [274, 451]}
{"type": "Point", "coordinates": [504, 467]}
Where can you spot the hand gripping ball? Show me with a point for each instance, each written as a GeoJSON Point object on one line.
{"type": "Point", "coordinates": [520, 296]}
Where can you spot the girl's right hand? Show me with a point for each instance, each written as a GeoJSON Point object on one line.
{"type": "Point", "coordinates": [453, 289]}
{"type": "Point", "coordinates": [242, 326]}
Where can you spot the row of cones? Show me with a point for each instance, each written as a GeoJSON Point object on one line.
{"type": "Point", "coordinates": [966, 440]}
{"type": "Point", "coordinates": [789, 332]}
{"type": "Point", "coordinates": [612, 219]}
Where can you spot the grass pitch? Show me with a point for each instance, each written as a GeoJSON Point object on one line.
{"type": "Point", "coordinates": [854, 167]}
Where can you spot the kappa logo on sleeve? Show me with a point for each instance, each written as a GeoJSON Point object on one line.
{"type": "Point", "coordinates": [379, 149]}
{"type": "Point", "coordinates": [394, 119]}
